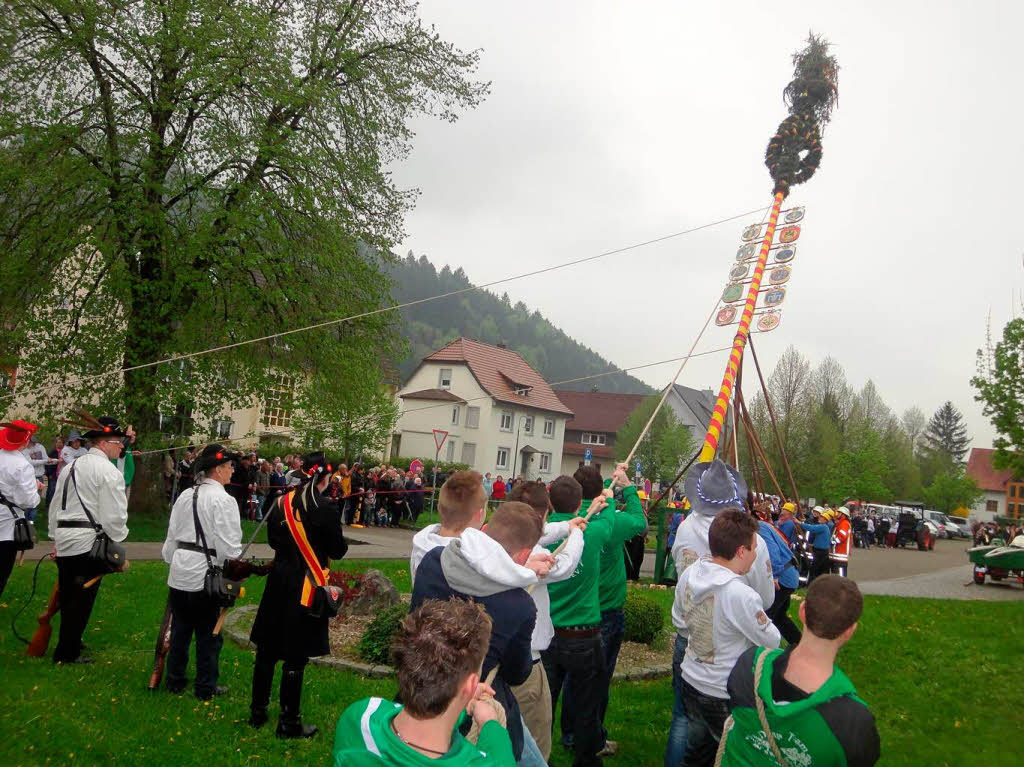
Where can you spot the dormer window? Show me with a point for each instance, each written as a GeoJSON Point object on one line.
{"type": "Point", "coordinates": [444, 379]}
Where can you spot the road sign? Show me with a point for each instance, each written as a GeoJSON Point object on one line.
{"type": "Point", "coordinates": [440, 435]}
{"type": "Point", "coordinates": [638, 467]}
{"type": "Point", "coordinates": [587, 455]}
{"type": "Point", "coordinates": [416, 466]}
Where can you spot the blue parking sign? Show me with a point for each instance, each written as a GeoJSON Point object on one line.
{"type": "Point", "coordinates": [638, 467]}
{"type": "Point", "coordinates": [588, 454]}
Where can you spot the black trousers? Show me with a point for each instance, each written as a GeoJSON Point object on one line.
{"type": "Point", "coordinates": [583, 657]}
{"type": "Point", "coordinates": [821, 565]}
{"type": "Point", "coordinates": [634, 556]}
{"type": "Point", "coordinates": [707, 718]}
{"type": "Point", "coordinates": [7, 556]}
{"type": "Point", "coordinates": [779, 614]}
{"type": "Point", "coordinates": [192, 612]}
{"type": "Point", "coordinates": [76, 603]}
{"type": "Point", "coordinates": [291, 681]}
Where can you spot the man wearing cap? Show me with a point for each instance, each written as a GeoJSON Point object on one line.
{"type": "Point", "coordinates": [842, 539]}
{"type": "Point", "coordinates": [19, 489]}
{"type": "Point", "coordinates": [189, 555]}
{"type": "Point", "coordinates": [820, 532]}
{"type": "Point", "coordinates": [711, 488]}
{"type": "Point", "coordinates": [93, 482]}
{"type": "Point", "coordinates": [286, 627]}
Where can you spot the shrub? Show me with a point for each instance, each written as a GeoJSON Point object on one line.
{"type": "Point", "coordinates": [644, 618]}
{"type": "Point", "coordinates": [375, 643]}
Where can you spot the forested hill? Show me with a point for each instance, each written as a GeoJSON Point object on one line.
{"type": "Point", "coordinates": [486, 317]}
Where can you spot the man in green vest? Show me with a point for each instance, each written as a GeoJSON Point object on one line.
{"type": "Point", "coordinates": [795, 703]}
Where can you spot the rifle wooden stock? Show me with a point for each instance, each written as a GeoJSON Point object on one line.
{"type": "Point", "coordinates": [41, 639]}
{"type": "Point", "coordinates": [220, 621]}
{"type": "Point", "coordinates": [163, 644]}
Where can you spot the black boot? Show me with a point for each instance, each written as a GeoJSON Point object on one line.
{"type": "Point", "coordinates": [262, 680]}
{"type": "Point", "coordinates": [289, 723]}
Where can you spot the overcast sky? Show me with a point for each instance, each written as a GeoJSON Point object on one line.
{"type": "Point", "coordinates": [612, 123]}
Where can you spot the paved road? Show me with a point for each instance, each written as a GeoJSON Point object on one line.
{"type": "Point", "coordinates": [894, 572]}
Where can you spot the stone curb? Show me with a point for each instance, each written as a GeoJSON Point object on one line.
{"type": "Point", "coordinates": [377, 672]}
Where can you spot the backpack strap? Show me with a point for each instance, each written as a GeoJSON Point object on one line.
{"type": "Point", "coordinates": [64, 500]}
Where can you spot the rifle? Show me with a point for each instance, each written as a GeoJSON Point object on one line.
{"type": "Point", "coordinates": [163, 644]}
{"type": "Point", "coordinates": [41, 639]}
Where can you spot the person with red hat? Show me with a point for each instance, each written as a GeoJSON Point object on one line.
{"type": "Point", "coordinates": [89, 486]}
{"type": "Point", "coordinates": [19, 489]}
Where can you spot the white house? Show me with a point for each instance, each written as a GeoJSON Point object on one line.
{"type": "Point", "coordinates": [1002, 495]}
{"type": "Point", "coordinates": [500, 414]}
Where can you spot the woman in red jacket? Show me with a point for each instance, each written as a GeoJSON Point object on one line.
{"type": "Point", "coordinates": [498, 491]}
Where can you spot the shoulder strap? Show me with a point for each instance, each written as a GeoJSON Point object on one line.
{"type": "Point", "coordinates": [760, 709]}
{"type": "Point", "coordinates": [64, 503]}
{"type": "Point", "coordinates": [10, 506]}
{"type": "Point", "coordinates": [200, 535]}
{"type": "Point", "coordinates": [298, 532]}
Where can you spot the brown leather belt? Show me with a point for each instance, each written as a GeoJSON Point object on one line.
{"type": "Point", "coordinates": [578, 632]}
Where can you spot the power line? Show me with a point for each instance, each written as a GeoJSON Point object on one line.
{"type": "Point", "coordinates": [385, 309]}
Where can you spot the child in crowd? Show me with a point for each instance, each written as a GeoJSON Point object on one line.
{"type": "Point", "coordinates": [534, 695]}
{"type": "Point", "coordinates": [811, 707]}
{"type": "Point", "coordinates": [725, 617]}
{"type": "Point", "coordinates": [438, 654]}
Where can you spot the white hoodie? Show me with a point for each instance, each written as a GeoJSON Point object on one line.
{"type": "Point", "coordinates": [692, 544]}
{"type": "Point", "coordinates": [489, 557]}
{"type": "Point", "coordinates": [725, 618]}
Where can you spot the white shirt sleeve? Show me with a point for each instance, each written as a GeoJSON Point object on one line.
{"type": "Point", "coordinates": [26, 496]}
{"type": "Point", "coordinates": [745, 611]}
{"type": "Point", "coordinates": [174, 525]}
{"type": "Point", "coordinates": [553, 532]}
{"type": "Point", "coordinates": [569, 558]}
{"type": "Point", "coordinates": [227, 528]}
{"type": "Point", "coordinates": [113, 505]}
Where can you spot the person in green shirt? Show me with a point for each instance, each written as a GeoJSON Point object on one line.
{"type": "Point", "coordinates": [438, 654]}
{"type": "Point", "coordinates": [576, 648]}
{"type": "Point", "coordinates": [623, 525]}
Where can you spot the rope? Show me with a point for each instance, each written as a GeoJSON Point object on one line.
{"type": "Point", "coordinates": [761, 713]}
{"type": "Point", "coordinates": [383, 310]}
{"type": "Point", "coordinates": [31, 596]}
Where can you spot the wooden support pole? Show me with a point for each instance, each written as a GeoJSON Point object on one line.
{"type": "Point", "coordinates": [775, 425]}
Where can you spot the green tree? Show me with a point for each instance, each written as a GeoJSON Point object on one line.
{"type": "Point", "coordinates": [857, 471]}
{"type": "Point", "coordinates": [952, 490]}
{"type": "Point", "coordinates": [190, 173]}
{"type": "Point", "coordinates": [999, 382]}
{"type": "Point", "coordinates": [946, 434]}
{"type": "Point", "coordinates": [666, 446]}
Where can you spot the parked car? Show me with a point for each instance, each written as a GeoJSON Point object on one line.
{"type": "Point", "coordinates": [963, 526]}
{"type": "Point", "coordinates": [946, 528]}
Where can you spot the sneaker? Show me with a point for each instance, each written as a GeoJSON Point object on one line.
{"type": "Point", "coordinates": [611, 748]}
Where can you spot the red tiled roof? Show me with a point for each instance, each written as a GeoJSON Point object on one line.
{"type": "Point", "coordinates": [599, 411]}
{"type": "Point", "coordinates": [495, 367]}
{"type": "Point", "coordinates": [439, 394]}
{"type": "Point", "coordinates": [598, 451]}
{"type": "Point", "coordinates": [980, 469]}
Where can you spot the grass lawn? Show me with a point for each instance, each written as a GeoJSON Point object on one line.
{"type": "Point", "coordinates": [941, 678]}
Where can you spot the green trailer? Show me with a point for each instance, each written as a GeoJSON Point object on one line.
{"type": "Point", "coordinates": [997, 561]}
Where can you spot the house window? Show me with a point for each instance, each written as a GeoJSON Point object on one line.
{"type": "Point", "coordinates": [545, 462]}
{"type": "Point", "coordinates": [223, 427]}
{"type": "Point", "coordinates": [468, 453]}
{"type": "Point", "coordinates": [528, 424]}
{"type": "Point", "coordinates": [1011, 509]}
{"type": "Point", "coordinates": [455, 416]}
{"type": "Point", "coordinates": [277, 402]}
{"type": "Point", "coordinates": [1013, 491]}
{"type": "Point", "coordinates": [451, 450]}
{"type": "Point", "coordinates": [444, 378]}
{"type": "Point", "coordinates": [502, 461]}
{"type": "Point", "coordinates": [472, 417]}
{"type": "Point", "coordinates": [992, 506]}
{"type": "Point", "coordinates": [590, 438]}
{"type": "Point", "coordinates": [549, 427]}
{"type": "Point", "coordinates": [506, 420]}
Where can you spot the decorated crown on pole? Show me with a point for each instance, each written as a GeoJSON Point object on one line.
{"type": "Point", "coordinates": [794, 152]}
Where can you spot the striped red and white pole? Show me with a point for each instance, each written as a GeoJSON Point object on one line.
{"type": "Point", "coordinates": [736, 356]}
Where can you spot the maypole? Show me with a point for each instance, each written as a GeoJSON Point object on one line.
{"type": "Point", "coordinates": [793, 155]}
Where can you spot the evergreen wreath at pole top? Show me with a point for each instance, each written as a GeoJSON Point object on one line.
{"type": "Point", "coordinates": [794, 152]}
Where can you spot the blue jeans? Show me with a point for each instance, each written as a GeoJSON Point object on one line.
{"type": "Point", "coordinates": [531, 756]}
{"type": "Point", "coordinates": [613, 628]}
{"type": "Point", "coordinates": [678, 731]}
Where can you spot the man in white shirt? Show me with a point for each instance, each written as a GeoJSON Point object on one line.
{"type": "Point", "coordinates": [711, 488]}
{"type": "Point", "coordinates": [189, 553]}
{"type": "Point", "coordinates": [725, 618]}
{"type": "Point", "coordinates": [19, 489]}
{"type": "Point", "coordinates": [36, 455]}
{"type": "Point", "coordinates": [89, 483]}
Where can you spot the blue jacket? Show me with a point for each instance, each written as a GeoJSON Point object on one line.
{"type": "Point", "coordinates": [781, 557]}
{"type": "Point", "coordinates": [821, 535]}
{"type": "Point", "coordinates": [788, 529]}
{"type": "Point", "coordinates": [673, 528]}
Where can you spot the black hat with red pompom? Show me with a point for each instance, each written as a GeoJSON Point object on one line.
{"type": "Point", "coordinates": [315, 464]}
{"type": "Point", "coordinates": [105, 428]}
{"type": "Point", "coordinates": [212, 456]}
